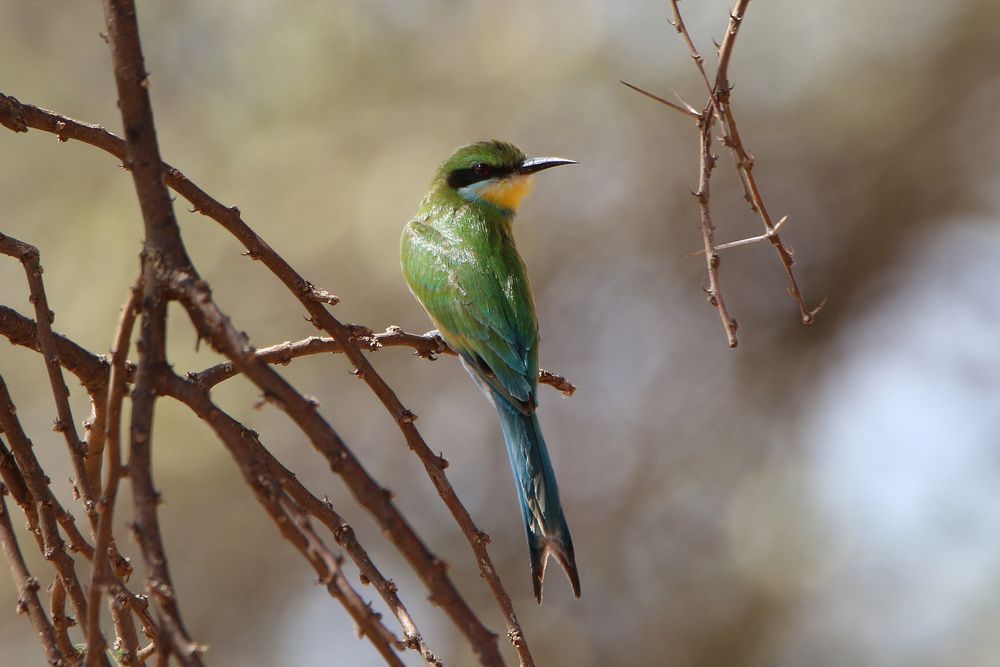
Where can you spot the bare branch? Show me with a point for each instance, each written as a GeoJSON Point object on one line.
{"type": "Point", "coordinates": [22, 331]}
{"type": "Point", "coordinates": [247, 450]}
{"type": "Point", "coordinates": [37, 484]}
{"type": "Point", "coordinates": [162, 247]}
{"type": "Point", "coordinates": [719, 108]}
{"type": "Point", "coordinates": [90, 369]}
{"type": "Point", "coordinates": [60, 621]}
{"type": "Point", "coordinates": [28, 256]}
{"type": "Point", "coordinates": [747, 241]}
{"type": "Point", "coordinates": [328, 567]}
{"type": "Point", "coordinates": [426, 345]}
{"type": "Point", "coordinates": [679, 26]}
{"type": "Point", "coordinates": [706, 162]}
{"type": "Point", "coordinates": [27, 586]}
{"type": "Point", "coordinates": [745, 161]}
{"type": "Point", "coordinates": [101, 569]}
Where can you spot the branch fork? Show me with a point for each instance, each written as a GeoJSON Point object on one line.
{"type": "Point", "coordinates": [718, 109]}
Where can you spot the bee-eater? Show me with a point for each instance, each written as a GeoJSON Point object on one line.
{"type": "Point", "coordinates": [460, 261]}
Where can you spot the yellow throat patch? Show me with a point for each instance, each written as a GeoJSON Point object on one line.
{"type": "Point", "coordinates": [508, 192]}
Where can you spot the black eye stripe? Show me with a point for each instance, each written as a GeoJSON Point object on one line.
{"type": "Point", "coordinates": [463, 177]}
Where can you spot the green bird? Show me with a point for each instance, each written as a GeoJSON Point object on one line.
{"type": "Point", "coordinates": [460, 261]}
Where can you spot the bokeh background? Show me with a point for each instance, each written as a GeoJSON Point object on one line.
{"type": "Point", "coordinates": [826, 495]}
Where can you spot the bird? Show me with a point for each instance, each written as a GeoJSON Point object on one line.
{"type": "Point", "coordinates": [460, 262]}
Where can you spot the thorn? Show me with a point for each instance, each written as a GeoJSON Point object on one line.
{"type": "Point", "coordinates": [686, 111]}
{"type": "Point", "coordinates": [685, 103]}
{"type": "Point", "coordinates": [810, 317]}
{"type": "Point", "coordinates": [324, 297]}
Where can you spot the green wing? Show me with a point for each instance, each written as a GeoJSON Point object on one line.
{"type": "Point", "coordinates": [476, 291]}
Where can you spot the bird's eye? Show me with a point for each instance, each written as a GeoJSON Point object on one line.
{"type": "Point", "coordinates": [482, 169]}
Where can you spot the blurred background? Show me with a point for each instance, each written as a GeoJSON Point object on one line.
{"type": "Point", "coordinates": [825, 495]}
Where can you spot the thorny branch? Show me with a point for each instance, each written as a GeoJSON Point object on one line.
{"type": "Point", "coordinates": [251, 455]}
{"type": "Point", "coordinates": [719, 109]}
{"type": "Point", "coordinates": [162, 246]}
{"type": "Point", "coordinates": [27, 586]}
{"type": "Point", "coordinates": [28, 256]}
{"type": "Point", "coordinates": [101, 570]}
{"type": "Point", "coordinates": [244, 444]}
{"type": "Point", "coordinates": [424, 345]}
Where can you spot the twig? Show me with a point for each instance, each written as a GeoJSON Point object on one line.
{"type": "Point", "coordinates": [745, 161]}
{"type": "Point", "coordinates": [328, 567]}
{"type": "Point", "coordinates": [679, 26]}
{"type": "Point", "coordinates": [101, 568]}
{"type": "Point", "coordinates": [245, 447]}
{"type": "Point", "coordinates": [37, 484]}
{"type": "Point", "coordinates": [718, 107]}
{"type": "Point", "coordinates": [295, 527]}
{"type": "Point", "coordinates": [162, 246]}
{"type": "Point", "coordinates": [426, 345]}
{"type": "Point", "coordinates": [706, 162]}
{"type": "Point", "coordinates": [28, 256]}
{"type": "Point", "coordinates": [287, 515]}
{"type": "Point", "coordinates": [766, 236]}
{"type": "Point", "coordinates": [60, 621]}
{"type": "Point", "coordinates": [93, 370]}
{"type": "Point", "coordinates": [90, 369]}
{"type": "Point", "coordinates": [27, 586]}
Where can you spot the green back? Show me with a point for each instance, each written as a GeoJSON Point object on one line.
{"type": "Point", "coordinates": [461, 263]}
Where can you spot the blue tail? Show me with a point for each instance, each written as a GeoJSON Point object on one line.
{"type": "Point", "coordinates": [538, 494]}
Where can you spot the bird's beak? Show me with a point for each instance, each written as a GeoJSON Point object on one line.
{"type": "Point", "coordinates": [533, 164]}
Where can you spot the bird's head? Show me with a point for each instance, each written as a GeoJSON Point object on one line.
{"type": "Point", "coordinates": [492, 172]}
